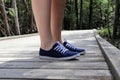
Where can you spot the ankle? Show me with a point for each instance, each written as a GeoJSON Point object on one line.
{"type": "Point", "coordinates": [61, 41]}
{"type": "Point", "coordinates": [47, 45]}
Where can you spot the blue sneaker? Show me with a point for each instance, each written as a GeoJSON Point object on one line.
{"type": "Point", "coordinates": [72, 48]}
{"type": "Point", "coordinates": [58, 52]}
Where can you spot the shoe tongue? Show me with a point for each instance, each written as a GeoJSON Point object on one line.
{"type": "Point", "coordinates": [56, 44]}
{"type": "Point", "coordinates": [64, 43]}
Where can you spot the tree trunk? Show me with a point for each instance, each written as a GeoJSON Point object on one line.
{"type": "Point", "coordinates": [5, 18]}
{"type": "Point", "coordinates": [17, 28]}
{"type": "Point", "coordinates": [26, 6]}
{"type": "Point", "coordinates": [76, 13]}
{"type": "Point", "coordinates": [116, 27]}
{"type": "Point", "coordinates": [33, 25]}
{"type": "Point", "coordinates": [81, 13]}
{"type": "Point", "coordinates": [90, 14]}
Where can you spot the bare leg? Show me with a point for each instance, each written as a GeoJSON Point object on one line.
{"type": "Point", "coordinates": [48, 35]}
{"type": "Point", "coordinates": [57, 14]}
{"type": "Point", "coordinates": [42, 13]}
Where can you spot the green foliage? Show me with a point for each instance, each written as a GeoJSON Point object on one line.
{"type": "Point", "coordinates": [103, 14]}
{"type": "Point", "coordinates": [104, 32]}
{"type": "Point", "coordinates": [69, 17]}
{"type": "Point", "coordinates": [7, 1]}
{"type": "Point", "coordinates": [11, 12]}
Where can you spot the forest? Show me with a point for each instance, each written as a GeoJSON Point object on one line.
{"type": "Point", "coordinates": [16, 17]}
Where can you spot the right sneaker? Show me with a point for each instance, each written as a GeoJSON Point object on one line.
{"type": "Point", "coordinates": [58, 52]}
{"type": "Point", "coordinates": [72, 48]}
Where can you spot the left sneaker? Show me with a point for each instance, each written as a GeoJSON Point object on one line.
{"type": "Point", "coordinates": [58, 52]}
{"type": "Point", "coordinates": [72, 48]}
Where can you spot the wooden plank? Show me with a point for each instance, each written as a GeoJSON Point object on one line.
{"type": "Point", "coordinates": [55, 74]}
{"type": "Point", "coordinates": [54, 65]}
{"type": "Point", "coordinates": [33, 47]}
{"type": "Point", "coordinates": [22, 51]}
{"type": "Point", "coordinates": [16, 37]}
{"type": "Point", "coordinates": [37, 54]}
{"type": "Point", "coordinates": [19, 63]}
{"type": "Point", "coordinates": [78, 42]}
{"type": "Point", "coordinates": [37, 51]}
{"type": "Point", "coordinates": [19, 52]}
{"type": "Point", "coordinates": [33, 59]}
{"type": "Point", "coordinates": [112, 56]}
{"type": "Point", "coordinates": [77, 34]}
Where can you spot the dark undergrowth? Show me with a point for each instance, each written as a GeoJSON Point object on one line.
{"type": "Point", "coordinates": [107, 35]}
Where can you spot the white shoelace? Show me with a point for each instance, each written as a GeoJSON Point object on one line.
{"type": "Point", "coordinates": [70, 46]}
{"type": "Point", "coordinates": [60, 48]}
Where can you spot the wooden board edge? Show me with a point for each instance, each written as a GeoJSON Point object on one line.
{"type": "Point", "coordinates": [114, 68]}
{"type": "Point", "coordinates": [18, 36]}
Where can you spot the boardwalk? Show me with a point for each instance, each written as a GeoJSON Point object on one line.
{"type": "Point", "coordinates": [19, 59]}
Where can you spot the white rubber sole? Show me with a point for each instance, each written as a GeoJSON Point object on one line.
{"type": "Point", "coordinates": [63, 58]}
{"type": "Point", "coordinates": [82, 53]}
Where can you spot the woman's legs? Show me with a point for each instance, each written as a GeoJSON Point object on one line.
{"type": "Point", "coordinates": [42, 14]}
{"type": "Point", "coordinates": [57, 14]}
{"type": "Point", "coordinates": [50, 29]}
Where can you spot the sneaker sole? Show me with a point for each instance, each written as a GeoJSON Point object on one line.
{"type": "Point", "coordinates": [63, 58]}
{"type": "Point", "coordinates": [82, 53]}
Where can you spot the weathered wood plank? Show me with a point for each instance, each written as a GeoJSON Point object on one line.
{"type": "Point", "coordinates": [34, 49]}
{"type": "Point", "coordinates": [37, 51]}
{"type": "Point", "coordinates": [112, 56]}
{"type": "Point", "coordinates": [37, 54]}
{"type": "Point", "coordinates": [55, 74]}
{"type": "Point", "coordinates": [19, 59]}
{"type": "Point", "coordinates": [16, 37]}
{"type": "Point", "coordinates": [33, 59]}
{"type": "Point", "coordinates": [54, 65]}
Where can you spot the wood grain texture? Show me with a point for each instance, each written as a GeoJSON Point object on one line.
{"type": "Point", "coordinates": [112, 56]}
{"type": "Point", "coordinates": [19, 59]}
{"type": "Point", "coordinates": [33, 59]}
{"type": "Point", "coordinates": [55, 74]}
{"type": "Point", "coordinates": [55, 65]}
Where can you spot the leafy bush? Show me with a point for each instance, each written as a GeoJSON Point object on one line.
{"type": "Point", "coordinates": [104, 32]}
